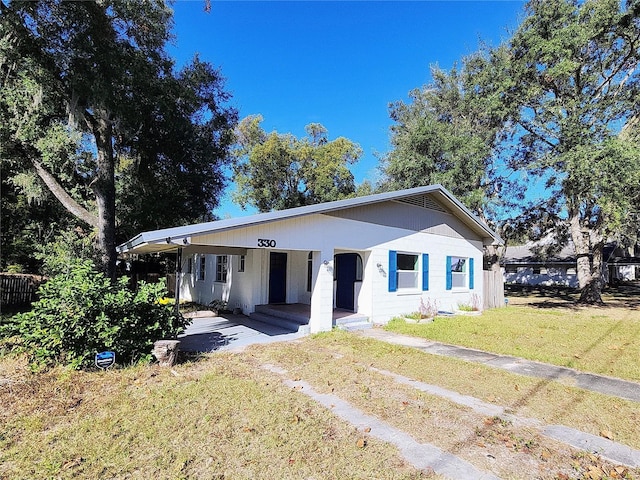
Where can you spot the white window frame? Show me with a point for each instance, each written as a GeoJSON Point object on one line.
{"type": "Point", "coordinates": [222, 268]}
{"type": "Point", "coordinates": [459, 279]}
{"type": "Point", "coordinates": [404, 274]}
{"type": "Point", "coordinates": [202, 268]}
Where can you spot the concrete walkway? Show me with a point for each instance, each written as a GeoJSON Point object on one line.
{"type": "Point", "coordinates": [420, 455]}
{"type": "Point", "coordinates": [588, 381]}
{"type": "Point", "coordinates": [209, 333]}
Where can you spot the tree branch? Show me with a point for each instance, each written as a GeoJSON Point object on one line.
{"type": "Point", "coordinates": [63, 197]}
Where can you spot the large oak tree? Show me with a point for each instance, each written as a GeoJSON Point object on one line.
{"type": "Point", "coordinates": [570, 78]}
{"type": "Point", "coordinates": [90, 97]}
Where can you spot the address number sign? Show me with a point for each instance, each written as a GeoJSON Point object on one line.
{"type": "Point", "coordinates": [267, 243]}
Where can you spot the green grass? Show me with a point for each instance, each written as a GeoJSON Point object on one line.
{"type": "Point", "coordinates": [599, 340]}
{"type": "Point", "coordinates": [215, 419]}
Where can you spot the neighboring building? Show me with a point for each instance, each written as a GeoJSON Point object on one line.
{"type": "Point", "coordinates": [526, 265]}
{"type": "Point", "coordinates": [378, 256]}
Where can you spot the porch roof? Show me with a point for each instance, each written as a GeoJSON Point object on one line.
{"type": "Point", "coordinates": [170, 239]}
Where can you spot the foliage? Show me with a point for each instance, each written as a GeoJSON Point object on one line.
{"type": "Point", "coordinates": [90, 96]}
{"type": "Point", "coordinates": [218, 305]}
{"type": "Point", "coordinates": [65, 250]}
{"type": "Point", "coordinates": [276, 171]}
{"type": "Point", "coordinates": [449, 134]}
{"type": "Point", "coordinates": [569, 80]}
{"type": "Point", "coordinates": [428, 309]}
{"type": "Point", "coordinates": [81, 313]}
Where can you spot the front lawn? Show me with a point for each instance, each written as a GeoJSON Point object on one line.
{"type": "Point", "coordinates": [602, 340]}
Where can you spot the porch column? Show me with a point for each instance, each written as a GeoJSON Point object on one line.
{"type": "Point", "coordinates": [178, 280]}
{"type": "Point", "coordinates": [322, 293]}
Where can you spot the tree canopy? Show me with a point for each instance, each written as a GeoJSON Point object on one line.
{"type": "Point", "coordinates": [276, 171]}
{"type": "Point", "coordinates": [449, 133]}
{"type": "Point", "coordinates": [93, 111]}
{"type": "Point", "coordinates": [557, 102]}
{"type": "Point", "coordinates": [569, 78]}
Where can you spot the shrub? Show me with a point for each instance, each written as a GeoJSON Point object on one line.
{"type": "Point", "coordinates": [81, 313]}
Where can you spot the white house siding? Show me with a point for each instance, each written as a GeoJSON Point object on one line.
{"type": "Point", "coordinates": [551, 276]}
{"type": "Point", "coordinates": [390, 304]}
{"type": "Point", "coordinates": [326, 235]}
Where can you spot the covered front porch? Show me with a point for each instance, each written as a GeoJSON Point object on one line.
{"type": "Point", "coordinates": [297, 315]}
{"type": "Point", "coordinates": [209, 332]}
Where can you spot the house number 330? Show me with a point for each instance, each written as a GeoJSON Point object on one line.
{"type": "Point", "coordinates": [265, 242]}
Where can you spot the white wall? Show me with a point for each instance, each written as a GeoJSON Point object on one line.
{"type": "Point", "coordinates": [551, 276]}
{"type": "Point", "coordinates": [326, 235]}
{"type": "Point", "coordinates": [384, 305]}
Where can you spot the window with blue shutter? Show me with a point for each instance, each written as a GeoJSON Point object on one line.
{"type": "Point", "coordinates": [393, 270]}
{"type": "Point", "coordinates": [449, 274]}
{"type": "Point", "coordinates": [471, 274]}
{"type": "Point", "coordinates": [425, 271]}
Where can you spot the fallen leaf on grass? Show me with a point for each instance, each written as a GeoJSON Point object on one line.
{"type": "Point", "coordinates": [367, 430]}
{"type": "Point", "coordinates": [608, 434]}
{"type": "Point", "coordinates": [562, 476]}
{"type": "Point", "coordinates": [545, 455]}
{"type": "Point", "coordinates": [575, 355]}
{"type": "Point", "coordinates": [361, 443]}
{"type": "Point", "coordinates": [73, 463]}
{"type": "Point", "coordinates": [595, 472]}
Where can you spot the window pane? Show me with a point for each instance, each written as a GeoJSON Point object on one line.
{"type": "Point", "coordinates": [459, 280]}
{"type": "Point", "coordinates": [407, 279]}
{"type": "Point", "coordinates": [407, 262]}
{"type": "Point", "coordinates": [458, 264]}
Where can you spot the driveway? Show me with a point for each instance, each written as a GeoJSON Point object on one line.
{"type": "Point", "coordinates": [209, 333]}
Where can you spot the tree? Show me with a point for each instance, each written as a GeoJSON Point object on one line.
{"type": "Point", "coordinates": [276, 171]}
{"type": "Point", "coordinates": [570, 79]}
{"type": "Point", "coordinates": [449, 133]}
{"type": "Point", "coordinates": [87, 84]}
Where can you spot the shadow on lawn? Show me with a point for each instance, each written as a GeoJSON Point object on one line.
{"type": "Point", "coordinates": [625, 295]}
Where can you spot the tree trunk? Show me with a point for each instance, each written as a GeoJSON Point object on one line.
{"type": "Point", "coordinates": [589, 271]}
{"type": "Point", "coordinates": [105, 192]}
{"type": "Point", "coordinates": [492, 257]}
{"type": "Point", "coordinates": [591, 292]}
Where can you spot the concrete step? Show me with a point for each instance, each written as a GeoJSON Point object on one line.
{"type": "Point", "coordinates": [355, 326]}
{"type": "Point", "coordinates": [292, 325]}
{"type": "Point", "coordinates": [299, 318]}
{"type": "Point", "coordinates": [353, 322]}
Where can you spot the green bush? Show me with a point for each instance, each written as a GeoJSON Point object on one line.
{"type": "Point", "coordinates": [81, 313]}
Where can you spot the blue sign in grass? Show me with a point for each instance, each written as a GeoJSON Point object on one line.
{"type": "Point", "coordinates": [105, 359]}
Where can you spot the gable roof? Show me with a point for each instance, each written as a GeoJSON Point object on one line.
{"type": "Point", "coordinates": [171, 238]}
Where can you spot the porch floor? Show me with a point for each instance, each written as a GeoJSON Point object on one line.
{"type": "Point", "coordinates": [302, 309]}
{"type": "Point", "coordinates": [300, 313]}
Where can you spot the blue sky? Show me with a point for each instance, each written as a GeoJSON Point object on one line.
{"type": "Point", "coordinates": [331, 62]}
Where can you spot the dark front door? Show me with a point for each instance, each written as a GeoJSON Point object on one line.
{"type": "Point", "coordinates": [346, 272]}
{"type": "Point", "coordinates": [277, 277]}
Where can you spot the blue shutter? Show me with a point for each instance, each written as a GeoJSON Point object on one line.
{"type": "Point", "coordinates": [449, 275]}
{"type": "Point", "coordinates": [425, 271]}
{"type": "Point", "coordinates": [393, 270]}
{"type": "Point", "coordinates": [471, 281]}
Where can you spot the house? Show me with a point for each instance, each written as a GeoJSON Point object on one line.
{"type": "Point", "coordinates": [529, 265]}
{"type": "Point", "coordinates": [376, 256]}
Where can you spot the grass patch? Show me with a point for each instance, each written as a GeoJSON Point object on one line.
{"type": "Point", "coordinates": [218, 419]}
{"type": "Point", "coordinates": [548, 401]}
{"type": "Point", "coordinates": [340, 363]}
{"type": "Point", "coordinates": [599, 340]}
